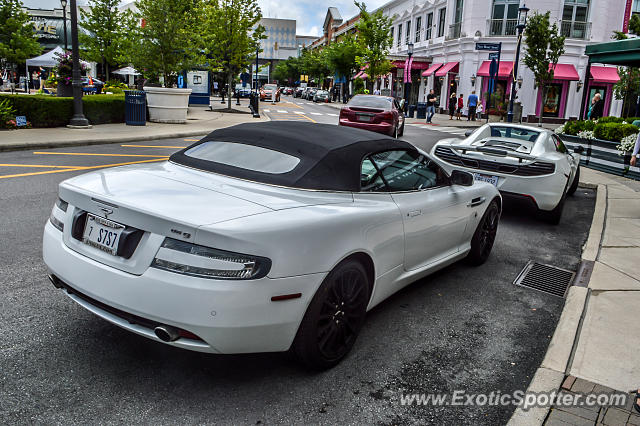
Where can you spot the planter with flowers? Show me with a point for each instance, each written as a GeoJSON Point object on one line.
{"type": "Point", "coordinates": [64, 74]}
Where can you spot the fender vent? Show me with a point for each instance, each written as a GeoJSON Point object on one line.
{"type": "Point", "coordinates": [545, 278]}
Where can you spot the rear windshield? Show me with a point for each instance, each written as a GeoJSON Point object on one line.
{"type": "Point", "coordinates": [370, 102]}
{"type": "Point", "coordinates": [269, 87]}
{"type": "Point", "coordinates": [244, 156]}
{"type": "Point", "coordinates": [514, 133]}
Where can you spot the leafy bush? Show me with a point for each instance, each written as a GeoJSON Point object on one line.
{"type": "Point", "coordinates": [574, 127]}
{"type": "Point", "coordinates": [627, 144]}
{"type": "Point", "coordinates": [52, 111]}
{"type": "Point", "coordinates": [358, 86]}
{"type": "Point", "coordinates": [610, 120]}
{"type": "Point", "coordinates": [614, 131]}
{"type": "Point", "coordinates": [6, 112]}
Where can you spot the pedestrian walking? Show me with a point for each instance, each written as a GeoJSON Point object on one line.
{"type": "Point", "coordinates": [472, 104]}
{"type": "Point", "coordinates": [460, 106]}
{"type": "Point", "coordinates": [598, 107]}
{"type": "Point", "coordinates": [453, 103]}
{"type": "Point", "coordinates": [376, 92]}
{"type": "Point", "coordinates": [431, 105]}
{"type": "Point", "coordinates": [479, 110]}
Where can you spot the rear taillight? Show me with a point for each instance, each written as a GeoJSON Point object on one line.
{"type": "Point", "coordinates": [386, 116]}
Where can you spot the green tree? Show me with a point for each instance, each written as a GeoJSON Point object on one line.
{"type": "Point", "coordinates": [374, 35]}
{"type": "Point", "coordinates": [106, 39]}
{"type": "Point", "coordinates": [164, 43]}
{"type": "Point", "coordinates": [17, 40]}
{"type": "Point", "coordinates": [544, 47]}
{"type": "Point", "coordinates": [288, 70]}
{"type": "Point", "coordinates": [230, 33]}
{"type": "Point", "coordinates": [628, 85]}
{"type": "Point", "coordinates": [314, 64]}
{"type": "Point", "coordinates": [341, 57]}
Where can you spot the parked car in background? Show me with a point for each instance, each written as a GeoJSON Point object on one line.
{"type": "Point", "coordinates": [525, 163]}
{"type": "Point", "coordinates": [91, 84]}
{"type": "Point", "coordinates": [263, 237]}
{"type": "Point", "coordinates": [311, 93]}
{"type": "Point", "coordinates": [287, 91]}
{"type": "Point", "coordinates": [243, 91]}
{"type": "Point", "coordinates": [270, 92]}
{"type": "Point", "coordinates": [322, 96]}
{"type": "Point", "coordinates": [297, 93]}
{"type": "Point", "coordinates": [380, 114]}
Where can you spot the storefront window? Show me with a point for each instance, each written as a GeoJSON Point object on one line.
{"type": "Point", "coordinates": [551, 102]}
{"type": "Point", "coordinates": [592, 92]}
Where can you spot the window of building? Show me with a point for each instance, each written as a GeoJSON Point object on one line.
{"type": "Point", "coordinates": [408, 33]}
{"type": "Point", "coordinates": [504, 17]}
{"type": "Point", "coordinates": [635, 8]}
{"type": "Point", "coordinates": [458, 16]}
{"type": "Point", "coordinates": [399, 42]}
{"type": "Point", "coordinates": [391, 35]}
{"type": "Point", "coordinates": [418, 28]}
{"type": "Point", "coordinates": [441, 21]}
{"type": "Point", "coordinates": [427, 28]}
{"type": "Point", "coordinates": [574, 19]}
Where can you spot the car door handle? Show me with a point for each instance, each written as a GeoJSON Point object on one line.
{"type": "Point", "coordinates": [414, 213]}
{"type": "Point", "coordinates": [476, 201]}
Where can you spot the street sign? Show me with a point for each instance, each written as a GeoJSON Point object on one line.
{"type": "Point", "coordinates": [494, 55]}
{"type": "Point", "coordinates": [488, 46]}
{"type": "Point", "coordinates": [21, 120]}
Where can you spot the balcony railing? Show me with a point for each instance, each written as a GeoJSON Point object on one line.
{"type": "Point", "coordinates": [501, 27]}
{"type": "Point", "coordinates": [454, 30]}
{"type": "Point", "coordinates": [575, 29]}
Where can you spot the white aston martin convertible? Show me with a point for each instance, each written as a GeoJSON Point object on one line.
{"type": "Point", "coordinates": [526, 163]}
{"type": "Point", "coordinates": [264, 237]}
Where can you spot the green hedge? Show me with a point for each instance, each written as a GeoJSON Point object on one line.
{"type": "Point", "coordinates": [617, 119]}
{"type": "Point", "coordinates": [52, 111]}
{"type": "Point", "coordinates": [614, 131]}
{"type": "Point", "coordinates": [573, 127]}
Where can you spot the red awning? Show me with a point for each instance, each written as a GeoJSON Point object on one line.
{"type": "Point", "coordinates": [415, 66]}
{"type": "Point", "coordinates": [504, 69]}
{"type": "Point", "coordinates": [565, 72]}
{"type": "Point", "coordinates": [431, 70]}
{"type": "Point", "coordinates": [448, 67]}
{"type": "Point", "coordinates": [604, 74]}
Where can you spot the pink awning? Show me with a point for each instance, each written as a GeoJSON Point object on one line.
{"type": "Point", "coordinates": [415, 66]}
{"type": "Point", "coordinates": [604, 74]}
{"type": "Point", "coordinates": [359, 75]}
{"type": "Point", "coordinates": [504, 69]}
{"type": "Point", "coordinates": [446, 68]}
{"type": "Point", "coordinates": [565, 72]}
{"type": "Point", "coordinates": [364, 75]}
{"type": "Point", "coordinates": [431, 70]}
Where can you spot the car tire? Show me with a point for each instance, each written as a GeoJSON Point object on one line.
{"type": "Point", "coordinates": [574, 184]}
{"type": "Point", "coordinates": [334, 317]}
{"type": "Point", "coordinates": [484, 236]}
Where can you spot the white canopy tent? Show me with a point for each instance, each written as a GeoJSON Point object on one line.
{"type": "Point", "coordinates": [50, 59]}
{"type": "Point", "coordinates": [126, 71]}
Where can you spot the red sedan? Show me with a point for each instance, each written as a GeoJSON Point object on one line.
{"type": "Point", "coordinates": [270, 92]}
{"type": "Point", "coordinates": [380, 114]}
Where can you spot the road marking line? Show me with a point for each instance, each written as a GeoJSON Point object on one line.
{"type": "Point", "coordinates": [74, 168]}
{"type": "Point", "coordinates": [192, 140]}
{"type": "Point", "coordinates": [98, 155]}
{"type": "Point", "coordinates": [266, 110]}
{"type": "Point", "coordinates": [155, 146]}
{"type": "Point", "coordinates": [316, 113]}
{"type": "Point", "coordinates": [35, 165]}
{"type": "Point", "coordinates": [281, 111]}
{"type": "Point", "coordinates": [332, 115]}
{"type": "Point", "coordinates": [308, 118]}
{"type": "Point", "coordinates": [299, 112]}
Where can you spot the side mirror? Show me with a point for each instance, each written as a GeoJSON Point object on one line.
{"type": "Point", "coordinates": [401, 103]}
{"type": "Point", "coordinates": [458, 177]}
{"type": "Point", "coordinates": [578, 149]}
{"type": "Point", "coordinates": [468, 133]}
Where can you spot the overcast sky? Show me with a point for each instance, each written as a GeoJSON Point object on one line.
{"type": "Point", "coordinates": [309, 14]}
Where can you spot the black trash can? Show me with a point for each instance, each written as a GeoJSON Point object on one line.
{"type": "Point", "coordinates": [412, 111]}
{"type": "Point", "coordinates": [135, 108]}
{"type": "Point", "coordinates": [421, 110]}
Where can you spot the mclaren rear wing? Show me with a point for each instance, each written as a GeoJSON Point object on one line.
{"type": "Point", "coordinates": [496, 152]}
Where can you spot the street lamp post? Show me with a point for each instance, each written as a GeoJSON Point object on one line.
{"type": "Point", "coordinates": [522, 23]}
{"type": "Point", "coordinates": [63, 3]}
{"type": "Point", "coordinates": [78, 119]}
{"type": "Point", "coordinates": [407, 78]}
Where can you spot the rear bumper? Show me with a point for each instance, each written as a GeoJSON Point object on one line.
{"type": "Point", "coordinates": [229, 316]}
{"type": "Point", "coordinates": [385, 128]}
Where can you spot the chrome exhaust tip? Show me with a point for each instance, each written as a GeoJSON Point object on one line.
{"type": "Point", "coordinates": [166, 333]}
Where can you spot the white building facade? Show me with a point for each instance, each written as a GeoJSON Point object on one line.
{"type": "Point", "coordinates": [445, 33]}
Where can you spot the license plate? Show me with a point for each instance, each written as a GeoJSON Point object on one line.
{"type": "Point", "coordinates": [493, 180]}
{"type": "Point", "coordinates": [102, 234]}
{"type": "Point", "coordinates": [364, 118]}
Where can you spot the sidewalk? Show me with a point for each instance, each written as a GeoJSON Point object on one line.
{"type": "Point", "coordinates": [200, 121]}
{"type": "Point", "coordinates": [596, 343]}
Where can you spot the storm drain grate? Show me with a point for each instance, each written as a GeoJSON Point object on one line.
{"type": "Point", "coordinates": [546, 278]}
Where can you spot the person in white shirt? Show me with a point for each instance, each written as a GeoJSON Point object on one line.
{"type": "Point", "coordinates": [376, 92]}
{"type": "Point", "coordinates": [479, 111]}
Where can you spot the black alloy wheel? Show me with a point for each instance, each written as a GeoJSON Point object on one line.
{"type": "Point", "coordinates": [485, 235]}
{"type": "Point", "coordinates": [334, 317]}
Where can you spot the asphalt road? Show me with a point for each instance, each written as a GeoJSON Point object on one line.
{"type": "Point", "coordinates": [464, 328]}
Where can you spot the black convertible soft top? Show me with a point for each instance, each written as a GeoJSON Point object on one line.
{"type": "Point", "coordinates": [330, 156]}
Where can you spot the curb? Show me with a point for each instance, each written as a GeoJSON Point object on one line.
{"type": "Point", "coordinates": [96, 141]}
{"type": "Point", "coordinates": [552, 370]}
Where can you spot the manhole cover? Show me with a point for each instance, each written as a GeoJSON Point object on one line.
{"type": "Point", "coordinates": [546, 278]}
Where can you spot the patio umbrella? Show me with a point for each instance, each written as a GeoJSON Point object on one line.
{"type": "Point", "coordinates": [126, 71]}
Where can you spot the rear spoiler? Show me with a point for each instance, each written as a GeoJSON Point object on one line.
{"type": "Point", "coordinates": [494, 151]}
